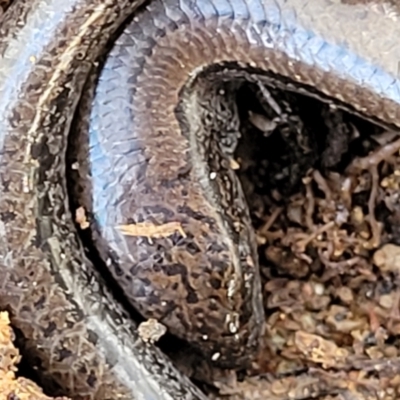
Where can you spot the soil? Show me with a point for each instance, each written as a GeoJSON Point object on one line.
{"type": "Point", "coordinates": [323, 189]}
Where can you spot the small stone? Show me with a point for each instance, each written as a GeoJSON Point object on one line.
{"type": "Point", "coordinates": [151, 330]}
{"type": "Point", "coordinates": [386, 301]}
{"type": "Point", "coordinates": [345, 295]}
{"type": "Point", "coordinates": [387, 258]}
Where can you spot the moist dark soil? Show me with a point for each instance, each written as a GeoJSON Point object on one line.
{"type": "Point", "coordinates": [323, 190]}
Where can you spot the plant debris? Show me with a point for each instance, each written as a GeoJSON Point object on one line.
{"type": "Point", "coordinates": [150, 230]}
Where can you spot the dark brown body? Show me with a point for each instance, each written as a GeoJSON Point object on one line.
{"type": "Point", "coordinates": [347, 52]}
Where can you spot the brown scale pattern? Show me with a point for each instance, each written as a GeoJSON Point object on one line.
{"type": "Point", "coordinates": [159, 167]}
{"type": "Point", "coordinates": [81, 337]}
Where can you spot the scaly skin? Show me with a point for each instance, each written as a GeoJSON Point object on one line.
{"type": "Point", "coordinates": [345, 53]}
{"type": "Point", "coordinates": [74, 331]}
{"type": "Point", "coordinates": [155, 163]}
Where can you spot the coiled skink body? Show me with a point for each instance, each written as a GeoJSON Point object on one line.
{"type": "Point", "coordinates": [208, 291]}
